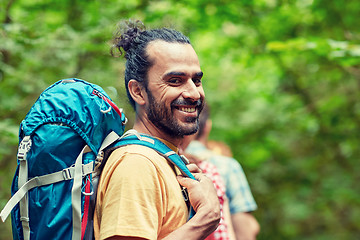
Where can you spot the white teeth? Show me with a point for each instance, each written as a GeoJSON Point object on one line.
{"type": "Point", "coordinates": [189, 110]}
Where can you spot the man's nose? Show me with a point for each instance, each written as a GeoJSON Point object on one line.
{"type": "Point", "coordinates": [191, 91]}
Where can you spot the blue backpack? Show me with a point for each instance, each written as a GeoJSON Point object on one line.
{"type": "Point", "coordinates": [61, 144]}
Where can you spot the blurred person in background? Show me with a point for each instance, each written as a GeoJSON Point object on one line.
{"type": "Point", "coordinates": [241, 201]}
{"type": "Point", "coordinates": [225, 229]}
{"type": "Point", "coordinates": [219, 148]}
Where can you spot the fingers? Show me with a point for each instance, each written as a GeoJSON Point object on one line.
{"type": "Point", "coordinates": [201, 176]}
{"type": "Point", "coordinates": [202, 193]}
{"type": "Point", "coordinates": [189, 183]}
{"type": "Point", "coordinates": [185, 181]}
{"type": "Point", "coordinates": [193, 168]}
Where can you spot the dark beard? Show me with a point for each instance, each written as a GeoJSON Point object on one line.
{"type": "Point", "coordinates": [164, 120]}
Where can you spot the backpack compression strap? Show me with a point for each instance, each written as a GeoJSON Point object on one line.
{"type": "Point", "coordinates": [63, 175]}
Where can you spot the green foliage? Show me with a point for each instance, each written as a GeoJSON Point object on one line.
{"type": "Point", "coordinates": [281, 77]}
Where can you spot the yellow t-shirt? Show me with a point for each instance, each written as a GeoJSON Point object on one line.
{"type": "Point", "coordinates": [138, 195]}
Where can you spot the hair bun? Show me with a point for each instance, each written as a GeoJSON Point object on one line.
{"type": "Point", "coordinates": [127, 32]}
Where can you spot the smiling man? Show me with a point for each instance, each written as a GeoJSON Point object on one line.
{"type": "Point", "coordinates": [173, 96]}
{"type": "Point", "coordinates": [139, 193]}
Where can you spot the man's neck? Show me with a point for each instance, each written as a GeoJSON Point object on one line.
{"type": "Point", "coordinates": [150, 129]}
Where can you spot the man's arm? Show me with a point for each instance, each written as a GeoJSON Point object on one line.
{"type": "Point", "coordinates": [245, 226]}
{"type": "Point", "coordinates": [204, 200]}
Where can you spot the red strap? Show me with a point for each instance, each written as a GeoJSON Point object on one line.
{"type": "Point", "coordinates": [86, 209]}
{"type": "Point", "coordinates": [112, 104]}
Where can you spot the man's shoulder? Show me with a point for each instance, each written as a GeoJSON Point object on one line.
{"type": "Point", "coordinates": [137, 156]}
{"type": "Point", "coordinates": [130, 156]}
{"type": "Point", "coordinates": [135, 150]}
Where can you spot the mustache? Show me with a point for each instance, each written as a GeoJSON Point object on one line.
{"type": "Point", "coordinates": [198, 103]}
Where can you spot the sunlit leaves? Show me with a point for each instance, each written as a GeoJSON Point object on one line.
{"type": "Point", "coordinates": [281, 77]}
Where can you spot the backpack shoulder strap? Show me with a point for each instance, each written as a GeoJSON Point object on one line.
{"type": "Point", "coordinates": [133, 137]}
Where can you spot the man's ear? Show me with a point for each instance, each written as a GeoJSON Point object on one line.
{"type": "Point", "coordinates": [137, 91]}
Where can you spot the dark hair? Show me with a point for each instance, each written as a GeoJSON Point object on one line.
{"type": "Point", "coordinates": [204, 116]}
{"type": "Point", "coordinates": [132, 38]}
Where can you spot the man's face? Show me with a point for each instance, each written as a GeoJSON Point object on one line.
{"type": "Point", "coordinates": [174, 88]}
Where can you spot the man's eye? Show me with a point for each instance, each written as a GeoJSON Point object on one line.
{"type": "Point", "coordinates": [197, 81]}
{"type": "Point", "coordinates": [175, 80]}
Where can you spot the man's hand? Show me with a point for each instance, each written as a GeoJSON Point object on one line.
{"type": "Point", "coordinates": [203, 199]}
{"type": "Point", "coordinates": [193, 168]}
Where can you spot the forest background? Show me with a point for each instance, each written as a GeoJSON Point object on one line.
{"type": "Point", "coordinates": [282, 78]}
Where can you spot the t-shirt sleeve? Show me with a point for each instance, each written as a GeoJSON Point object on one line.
{"type": "Point", "coordinates": [238, 190]}
{"type": "Point", "coordinates": [133, 200]}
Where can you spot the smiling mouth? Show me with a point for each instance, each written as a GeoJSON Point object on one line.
{"type": "Point", "coordinates": [187, 109]}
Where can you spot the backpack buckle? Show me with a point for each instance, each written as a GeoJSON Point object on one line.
{"type": "Point", "coordinates": [184, 159]}
{"type": "Point", "coordinates": [185, 194]}
{"type": "Point", "coordinates": [24, 219]}
{"type": "Point", "coordinates": [100, 157]}
{"type": "Point", "coordinates": [24, 148]}
{"type": "Point", "coordinates": [186, 197]}
{"type": "Point", "coordinates": [66, 174]}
